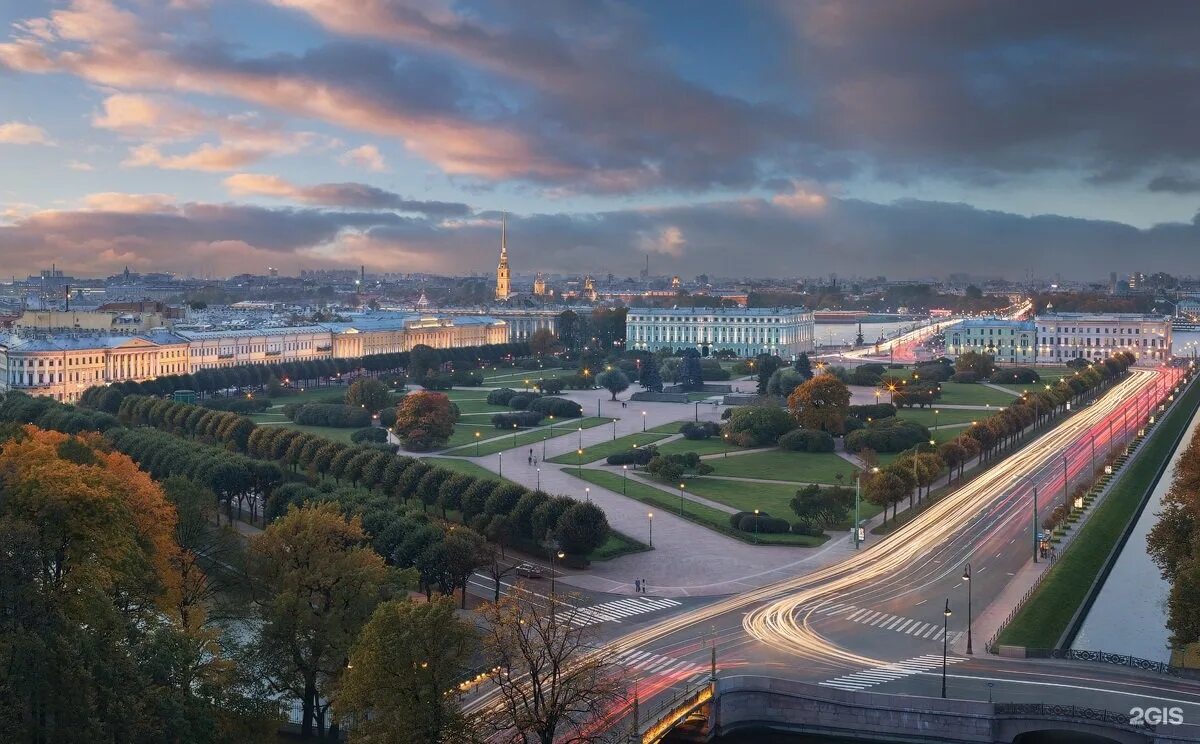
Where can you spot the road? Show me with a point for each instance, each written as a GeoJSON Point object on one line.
{"type": "Point", "coordinates": [875, 621]}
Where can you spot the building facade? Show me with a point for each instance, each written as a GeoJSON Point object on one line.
{"type": "Point", "coordinates": [63, 366]}
{"type": "Point", "coordinates": [389, 333]}
{"type": "Point", "coordinates": [1062, 337]}
{"type": "Point", "coordinates": [746, 332]}
{"type": "Point", "coordinates": [1008, 341]}
{"type": "Point", "coordinates": [214, 349]}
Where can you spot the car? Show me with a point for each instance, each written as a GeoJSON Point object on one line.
{"type": "Point", "coordinates": [529, 571]}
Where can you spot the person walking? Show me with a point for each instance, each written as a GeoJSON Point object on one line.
{"type": "Point", "coordinates": [637, 586]}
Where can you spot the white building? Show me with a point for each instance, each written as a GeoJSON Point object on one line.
{"type": "Point", "coordinates": [1062, 337]}
{"type": "Point", "coordinates": [63, 366]}
{"type": "Point", "coordinates": [211, 349]}
{"type": "Point", "coordinates": [1008, 341]}
{"type": "Point", "coordinates": [747, 332]}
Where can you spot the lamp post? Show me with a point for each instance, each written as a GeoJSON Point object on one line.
{"type": "Point", "coordinates": [756, 526]}
{"type": "Point", "coordinates": [643, 421]}
{"type": "Point", "coordinates": [1066, 485]}
{"type": "Point", "coordinates": [562, 555]}
{"type": "Point", "coordinates": [681, 499]}
{"type": "Point", "coordinates": [552, 425]}
{"type": "Point", "coordinates": [650, 521]}
{"type": "Point", "coordinates": [587, 493]}
{"type": "Point", "coordinates": [477, 444]}
{"type": "Point", "coordinates": [945, 626]}
{"type": "Point", "coordinates": [624, 477]}
{"type": "Point", "coordinates": [514, 435]}
{"type": "Point", "coordinates": [614, 430]}
{"type": "Point", "coordinates": [696, 414]}
{"type": "Point", "coordinates": [1035, 524]}
{"type": "Point", "coordinates": [501, 456]}
{"type": "Point", "coordinates": [579, 461]}
{"type": "Point", "coordinates": [543, 446]}
{"type": "Point", "coordinates": [935, 415]}
{"type": "Point", "coordinates": [725, 436]}
{"type": "Point", "coordinates": [967, 578]}
{"type": "Point", "coordinates": [539, 479]}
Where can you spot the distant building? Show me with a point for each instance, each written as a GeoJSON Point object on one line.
{"type": "Point", "coordinates": [1008, 341]}
{"type": "Point", "coordinates": [214, 349]}
{"type": "Point", "coordinates": [1062, 337]}
{"type": "Point", "coordinates": [105, 321]}
{"type": "Point", "coordinates": [746, 332]}
{"type": "Point", "coordinates": [503, 286]}
{"type": "Point", "coordinates": [539, 285]}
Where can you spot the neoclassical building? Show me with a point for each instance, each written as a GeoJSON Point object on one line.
{"type": "Point", "coordinates": [212, 349]}
{"type": "Point", "coordinates": [1065, 336]}
{"type": "Point", "coordinates": [1008, 341]}
{"type": "Point", "coordinates": [747, 332]}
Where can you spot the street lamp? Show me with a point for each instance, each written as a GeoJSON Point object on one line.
{"type": "Point", "coordinates": [579, 461]}
{"type": "Point", "coordinates": [624, 477]}
{"type": "Point", "coordinates": [477, 444]}
{"type": "Point", "coordinates": [681, 499]}
{"type": "Point", "coordinates": [650, 520]}
{"type": "Point", "coordinates": [614, 430]}
{"type": "Point", "coordinates": [945, 626]}
{"type": "Point", "coordinates": [552, 425]}
{"type": "Point", "coordinates": [581, 436]}
{"type": "Point", "coordinates": [935, 415]}
{"type": "Point", "coordinates": [562, 555]}
{"type": "Point", "coordinates": [587, 492]}
{"type": "Point", "coordinates": [543, 446]}
{"type": "Point", "coordinates": [514, 435]}
{"type": "Point", "coordinates": [643, 421]}
{"type": "Point", "coordinates": [501, 456]}
{"type": "Point", "coordinates": [756, 526]}
{"type": "Point", "coordinates": [539, 479]}
{"type": "Point", "coordinates": [725, 436]}
{"type": "Point", "coordinates": [967, 578]}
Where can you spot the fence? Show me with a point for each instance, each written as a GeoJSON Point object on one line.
{"type": "Point", "coordinates": [1070, 711]}
{"type": "Point", "coordinates": [1104, 657]}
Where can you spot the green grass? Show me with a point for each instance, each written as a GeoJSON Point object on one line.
{"type": "Point", "coordinates": [713, 519]}
{"type": "Point", "coordinates": [515, 378]}
{"type": "Point", "coordinates": [1045, 617]}
{"type": "Point", "coordinates": [972, 394]}
{"type": "Point", "coordinates": [479, 405]}
{"type": "Point", "coordinates": [617, 544]}
{"type": "Point", "coordinates": [945, 416]}
{"type": "Point", "coordinates": [670, 428]}
{"type": "Point", "coordinates": [329, 432]}
{"type": "Point", "coordinates": [710, 446]}
{"type": "Point", "coordinates": [501, 442]}
{"type": "Point", "coordinates": [604, 449]}
{"type": "Point", "coordinates": [466, 467]}
{"type": "Point", "coordinates": [802, 467]}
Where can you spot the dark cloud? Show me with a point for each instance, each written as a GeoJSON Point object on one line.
{"type": "Point", "coordinates": [348, 195]}
{"type": "Point", "coordinates": [1175, 183]}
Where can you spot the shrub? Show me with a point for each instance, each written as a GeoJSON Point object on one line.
{"type": "Point", "coordinates": [696, 430]}
{"type": "Point", "coordinates": [634, 456]}
{"type": "Point", "coordinates": [437, 381]}
{"type": "Point", "coordinates": [338, 415]}
{"type": "Point", "coordinates": [873, 411]}
{"type": "Point", "coordinates": [550, 386]}
{"type": "Point", "coordinates": [757, 425]}
{"type": "Point", "coordinates": [243, 406]}
{"type": "Point", "coordinates": [387, 417]}
{"type": "Point", "coordinates": [712, 371]}
{"type": "Point", "coordinates": [556, 407]}
{"type": "Point", "coordinates": [466, 378]}
{"type": "Point", "coordinates": [765, 524]}
{"type": "Point", "coordinates": [783, 381]}
{"type": "Point", "coordinates": [368, 435]}
{"type": "Point", "coordinates": [888, 435]}
{"type": "Point", "coordinates": [807, 440]}
{"type": "Point", "coordinates": [853, 423]}
{"type": "Point", "coordinates": [802, 528]}
{"type": "Point", "coordinates": [521, 419]}
{"type": "Point", "coordinates": [933, 372]}
{"type": "Point", "coordinates": [500, 396]}
{"type": "Point", "coordinates": [1015, 376]}
{"type": "Point", "coordinates": [521, 401]}
{"type": "Point", "coordinates": [967, 376]}
{"type": "Point", "coordinates": [867, 374]}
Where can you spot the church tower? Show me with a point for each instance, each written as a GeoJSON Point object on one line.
{"type": "Point", "coordinates": [539, 285]}
{"type": "Point", "coordinates": [503, 291]}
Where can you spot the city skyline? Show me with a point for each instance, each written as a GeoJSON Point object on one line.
{"type": "Point", "coordinates": [216, 137]}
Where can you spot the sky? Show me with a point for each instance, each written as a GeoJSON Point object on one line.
{"type": "Point", "coordinates": [751, 138]}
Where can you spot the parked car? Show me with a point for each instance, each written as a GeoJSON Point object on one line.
{"type": "Point", "coordinates": [529, 571]}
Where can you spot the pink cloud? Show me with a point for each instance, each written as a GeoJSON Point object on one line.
{"type": "Point", "coordinates": [366, 156]}
{"type": "Point", "coordinates": [17, 133]}
{"type": "Point", "coordinates": [113, 201]}
{"type": "Point", "coordinates": [212, 158]}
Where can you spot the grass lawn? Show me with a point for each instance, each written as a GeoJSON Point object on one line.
{"type": "Point", "coordinates": [773, 498]}
{"type": "Point", "coordinates": [329, 432]}
{"type": "Point", "coordinates": [710, 446]}
{"type": "Point", "coordinates": [500, 442]}
{"type": "Point", "coordinates": [777, 464]}
{"type": "Point", "coordinates": [604, 449]}
{"type": "Point", "coordinates": [945, 416]}
{"type": "Point", "coordinates": [616, 545]}
{"type": "Point", "coordinates": [671, 428]}
{"type": "Point", "coordinates": [479, 405]}
{"type": "Point", "coordinates": [972, 394]}
{"type": "Point", "coordinates": [515, 378]}
{"type": "Point", "coordinates": [1046, 615]}
{"type": "Point", "coordinates": [466, 467]}
{"type": "Point", "coordinates": [714, 519]}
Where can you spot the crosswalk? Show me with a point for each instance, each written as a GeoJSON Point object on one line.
{"type": "Point", "coordinates": [889, 672]}
{"type": "Point", "coordinates": [617, 609]}
{"type": "Point", "coordinates": [885, 621]}
{"type": "Point", "coordinates": [648, 663]}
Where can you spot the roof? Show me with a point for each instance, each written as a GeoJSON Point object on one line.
{"type": "Point", "coordinates": [1020, 325]}
{"type": "Point", "coordinates": [85, 342]}
{"type": "Point", "coordinates": [734, 312]}
{"type": "Point", "coordinates": [245, 332]}
{"type": "Point", "coordinates": [1139, 317]}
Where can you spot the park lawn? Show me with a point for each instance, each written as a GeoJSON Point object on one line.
{"type": "Point", "coordinates": [1045, 617]}
{"type": "Point", "coordinates": [773, 498]}
{"type": "Point", "coordinates": [945, 416]}
{"type": "Point", "coordinates": [466, 467]}
{"type": "Point", "coordinates": [669, 428]}
{"type": "Point", "coordinates": [711, 446]}
{"type": "Point", "coordinates": [617, 544]}
{"type": "Point", "coordinates": [517, 377]}
{"type": "Point", "coordinates": [713, 519]}
{"type": "Point", "coordinates": [973, 394]}
{"type": "Point", "coordinates": [329, 432]}
{"type": "Point", "coordinates": [479, 405]}
{"type": "Point", "coordinates": [777, 464]}
{"type": "Point", "coordinates": [604, 449]}
{"type": "Point", "coordinates": [503, 441]}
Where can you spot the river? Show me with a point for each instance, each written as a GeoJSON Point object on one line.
{"type": "Point", "coordinates": [1130, 613]}
{"type": "Point", "coordinates": [842, 334]}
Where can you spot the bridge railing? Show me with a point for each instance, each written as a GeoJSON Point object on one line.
{"type": "Point", "coordinates": [1104, 657]}
{"type": "Point", "coordinates": [1070, 711]}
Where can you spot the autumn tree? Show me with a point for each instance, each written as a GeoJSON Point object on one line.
{"type": "Point", "coordinates": [424, 420]}
{"type": "Point", "coordinates": [554, 681]}
{"type": "Point", "coordinates": [319, 582]}
{"type": "Point", "coordinates": [400, 684]}
{"type": "Point", "coordinates": [885, 489]}
{"type": "Point", "coordinates": [821, 403]}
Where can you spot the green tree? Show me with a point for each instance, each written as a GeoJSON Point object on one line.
{"type": "Point", "coordinates": [614, 381]}
{"type": "Point", "coordinates": [581, 529]}
{"type": "Point", "coordinates": [320, 583]}
{"type": "Point", "coordinates": [403, 670]}
{"type": "Point", "coordinates": [368, 393]}
{"type": "Point", "coordinates": [804, 366]}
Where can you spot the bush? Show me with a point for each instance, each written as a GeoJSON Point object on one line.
{"type": "Point", "coordinates": [387, 417]}
{"type": "Point", "coordinates": [437, 381]}
{"type": "Point", "coordinates": [807, 440]}
{"type": "Point", "coordinates": [967, 377]}
{"type": "Point", "coordinates": [867, 374]}
{"type": "Point", "coordinates": [338, 415]}
{"type": "Point", "coordinates": [244, 406]}
{"type": "Point", "coordinates": [873, 411]}
{"type": "Point", "coordinates": [372, 434]}
{"type": "Point", "coordinates": [521, 401]}
{"type": "Point", "coordinates": [712, 371]}
{"type": "Point", "coordinates": [521, 419]}
{"type": "Point", "coordinates": [550, 386]}
{"type": "Point", "coordinates": [466, 378]}
{"type": "Point", "coordinates": [633, 456]}
{"type": "Point", "coordinates": [765, 524]}
{"type": "Point", "coordinates": [556, 407]}
{"type": "Point", "coordinates": [801, 528]}
{"type": "Point", "coordinates": [933, 372]}
{"type": "Point", "coordinates": [500, 396]}
{"type": "Point", "coordinates": [696, 430]}
{"type": "Point", "coordinates": [1015, 376]}
{"type": "Point", "coordinates": [853, 423]}
{"type": "Point", "coordinates": [758, 426]}
{"type": "Point", "coordinates": [888, 435]}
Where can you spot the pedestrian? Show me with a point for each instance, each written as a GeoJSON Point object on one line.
{"type": "Point", "coordinates": [637, 586]}
{"type": "Point", "coordinates": [643, 586]}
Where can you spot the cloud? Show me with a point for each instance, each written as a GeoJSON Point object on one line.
{"type": "Point", "coordinates": [16, 133]}
{"type": "Point", "coordinates": [349, 195]}
{"type": "Point", "coordinates": [366, 156]}
{"type": "Point", "coordinates": [206, 158]}
{"type": "Point", "coordinates": [1175, 183]}
{"type": "Point", "coordinates": [112, 201]}
{"type": "Point", "coordinates": [79, 165]}
{"type": "Point", "coordinates": [668, 241]}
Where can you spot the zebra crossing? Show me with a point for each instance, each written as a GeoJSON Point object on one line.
{"type": "Point", "coordinates": [889, 672]}
{"type": "Point", "coordinates": [648, 663]}
{"type": "Point", "coordinates": [617, 609]}
{"type": "Point", "coordinates": [884, 621]}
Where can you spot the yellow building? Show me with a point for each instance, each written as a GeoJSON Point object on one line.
{"type": "Point", "coordinates": [503, 287]}
{"type": "Point", "coordinates": [103, 321]}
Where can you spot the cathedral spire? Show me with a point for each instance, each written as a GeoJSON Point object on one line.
{"type": "Point", "coordinates": [503, 290]}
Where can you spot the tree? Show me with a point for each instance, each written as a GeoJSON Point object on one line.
{"type": "Point", "coordinates": [463, 551]}
{"type": "Point", "coordinates": [650, 378]}
{"type": "Point", "coordinates": [370, 394]}
{"type": "Point", "coordinates": [614, 381]}
{"type": "Point", "coordinates": [783, 381]}
{"type": "Point", "coordinates": [669, 369]}
{"type": "Point", "coordinates": [885, 489]}
{"type": "Point", "coordinates": [320, 582]}
{"type": "Point", "coordinates": [981, 364]}
{"type": "Point", "coordinates": [422, 359]}
{"type": "Point", "coordinates": [549, 652]}
{"type": "Point", "coordinates": [818, 507]}
{"type": "Point", "coordinates": [543, 342]}
{"type": "Point", "coordinates": [570, 330]}
{"type": "Point", "coordinates": [691, 373]}
{"type": "Point", "coordinates": [821, 403]}
{"type": "Point", "coordinates": [403, 670]}
{"type": "Point", "coordinates": [581, 529]}
{"type": "Point", "coordinates": [424, 420]}
{"type": "Point", "coordinates": [766, 364]}
{"type": "Point", "coordinates": [804, 366]}
{"type": "Point", "coordinates": [758, 426]}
